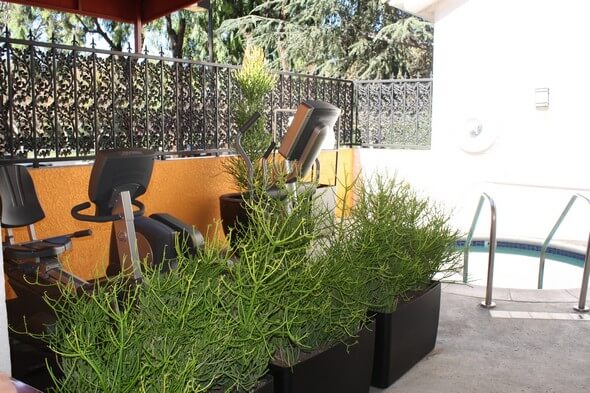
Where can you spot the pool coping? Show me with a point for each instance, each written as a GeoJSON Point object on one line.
{"type": "Point", "coordinates": [570, 295]}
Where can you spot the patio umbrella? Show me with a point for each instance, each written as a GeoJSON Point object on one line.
{"type": "Point", "coordinates": [137, 12]}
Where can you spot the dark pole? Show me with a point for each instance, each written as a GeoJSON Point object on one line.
{"type": "Point", "coordinates": [137, 27]}
{"type": "Point", "coordinates": [210, 30]}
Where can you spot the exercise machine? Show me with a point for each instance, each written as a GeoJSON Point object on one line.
{"type": "Point", "coordinates": [36, 257]}
{"type": "Point", "coordinates": [118, 178]}
{"type": "Point", "coordinates": [312, 122]}
{"type": "Point", "coordinates": [300, 148]}
{"type": "Point", "coordinates": [35, 260]}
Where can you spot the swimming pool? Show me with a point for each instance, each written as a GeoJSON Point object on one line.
{"type": "Point", "coordinates": [516, 265]}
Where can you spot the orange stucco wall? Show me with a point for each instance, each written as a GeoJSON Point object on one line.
{"type": "Point", "coordinates": [186, 188]}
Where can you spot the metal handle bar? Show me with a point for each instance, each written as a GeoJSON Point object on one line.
{"type": "Point", "coordinates": [488, 303]}
{"type": "Point", "coordinates": [86, 217]}
{"type": "Point", "coordinates": [550, 236]}
{"type": "Point", "coordinates": [581, 307]}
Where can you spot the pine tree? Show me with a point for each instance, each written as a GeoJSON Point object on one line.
{"type": "Point", "coordinates": [358, 39]}
{"type": "Point", "coordinates": [363, 39]}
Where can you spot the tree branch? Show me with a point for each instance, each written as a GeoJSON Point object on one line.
{"type": "Point", "coordinates": [176, 37]}
{"type": "Point", "coordinates": [99, 30]}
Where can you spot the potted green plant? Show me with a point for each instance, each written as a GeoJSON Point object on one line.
{"type": "Point", "coordinates": [254, 81]}
{"type": "Point", "coordinates": [407, 241]}
{"type": "Point", "coordinates": [174, 332]}
{"type": "Point", "coordinates": [312, 302]}
{"type": "Point", "coordinates": [292, 303]}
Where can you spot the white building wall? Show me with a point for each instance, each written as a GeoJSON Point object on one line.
{"type": "Point", "coordinates": [489, 57]}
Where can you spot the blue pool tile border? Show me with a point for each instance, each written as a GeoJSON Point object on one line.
{"type": "Point", "coordinates": [556, 251]}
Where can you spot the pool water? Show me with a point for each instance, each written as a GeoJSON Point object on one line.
{"type": "Point", "coordinates": [516, 265]}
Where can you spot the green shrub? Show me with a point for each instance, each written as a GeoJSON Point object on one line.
{"type": "Point", "coordinates": [254, 81]}
{"type": "Point", "coordinates": [176, 332]}
{"type": "Point", "coordinates": [293, 283]}
{"type": "Point", "coordinates": [403, 240]}
{"type": "Point", "coordinates": [213, 323]}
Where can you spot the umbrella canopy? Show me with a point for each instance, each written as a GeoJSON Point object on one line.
{"type": "Point", "coordinates": [138, 12]}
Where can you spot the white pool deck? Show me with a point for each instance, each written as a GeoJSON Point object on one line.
{"type": "Point", "coordinates": [516, 295]}
{"type": "Point", "coordinates": [532, 342]}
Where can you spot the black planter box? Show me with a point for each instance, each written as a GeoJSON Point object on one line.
{"type": "Point", "coordinates": [232, 206]}
{"type": "Point", "coordinates": [405, 336]}
{"type": "Point", "coordinates": [340, 369]}
{"type": "Point", "coordinates": [266, 386]}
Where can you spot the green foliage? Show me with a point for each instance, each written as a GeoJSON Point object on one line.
{"type": "Point", "coordinates": [96, 340]}
{"type": "Point", "coordinates": [214, 322]}
{"type": "Point", "coordinates": [339, 38]}
{"type": "Point", "coordinates": [177, 332]}
{"type": "Point", "coordinates": [294, 286]}
{"type": "Point", "coordinates": [254, 81]}
{"type": "Point", "coordinates": [404, 239]}
{"type": "Point", "coordinates": [192, 44]}
{"type": "Point", "coordinates": [44, 25]}
{"type": "Point", "coordinates": [356, 39]}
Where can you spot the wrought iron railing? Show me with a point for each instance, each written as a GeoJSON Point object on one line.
{"type": "Point", "coordinates": [65, 102]}
{"type": "Point", "coordinates": [394, 113]}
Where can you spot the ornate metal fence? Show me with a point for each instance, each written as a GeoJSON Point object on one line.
{"type": "Point", "coordinates": [394, 113]}
{"type": "Point", "coordinates": [62, 102]}
{"type": "Point", "coordinates": [65, 102]}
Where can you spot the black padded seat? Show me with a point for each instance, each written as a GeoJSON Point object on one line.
{"type": "Point", "coordinates": [189, 236]}
{"type": "Point", "coordinates": [21, 207]}
{"type": "Point", "coordinates": [45, 248]}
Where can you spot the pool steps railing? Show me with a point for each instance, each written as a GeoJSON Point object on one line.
{"type": "Point", "coordinates": [581, 307]}
{"type": "Point", "coordinates": [487, 303]}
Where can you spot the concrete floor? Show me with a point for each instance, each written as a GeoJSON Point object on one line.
{"type": "Point", "coordinates": [478, 353]}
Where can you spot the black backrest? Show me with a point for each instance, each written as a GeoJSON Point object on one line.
{"type": "Point", "coordinates": [20, 205]}
{"type": "Point", "coordinates": [119, 170]}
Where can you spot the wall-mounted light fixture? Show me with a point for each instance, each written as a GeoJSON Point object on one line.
{"type": "Point", "coordinates": [542, 97]}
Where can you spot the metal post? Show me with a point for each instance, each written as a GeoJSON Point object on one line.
{"type": "Point", "coordinates": [210, 31]}
{"type": "Point", "coordinates": [488, 303]}
{"type": "Point", "coordinates": [34, 97]}
{"type": "Point", "coordinates": [125, 235]}
{"type": "Point", "coordinates": [75, 96]}
{"type": "Point", "coordinates": [291, 188]}
{"type": "Point", "coordinates": [581, 307]}
{"type": "Point", "coordinates": [564, 213]}
{"type": "Point", "coordinates": [138, 27]}
{"type": "Point", "coordinates": [469, 238]}
{"type": "Point", "coordinates": [550, 236]}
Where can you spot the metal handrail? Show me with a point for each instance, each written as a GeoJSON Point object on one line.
{"type": "Point", "coordinates": [581, 307]}
{"type": "Point", "coordinates": [550, 236]}
{"type": "Point", "coordinates": [585, 276]}
{"type": "Point", "coordinates": [488, 303]}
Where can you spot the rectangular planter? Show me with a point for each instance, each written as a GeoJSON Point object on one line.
{"type": "Point", "coordinates": [339, 369]}
{"type": "Point", "coordinates": [405, 336]}
{"type": "Point", "coordinates": [266, 386]}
